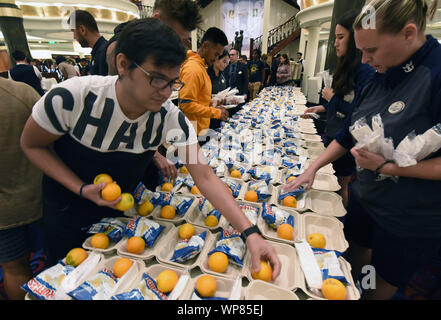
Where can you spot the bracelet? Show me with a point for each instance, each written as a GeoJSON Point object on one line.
{"type": "Point", "coordinates": [81, 190]}
{"type": "Point", "coordinates": [247, 232]}
{"type": "Point", "coordinates": [382, 165]}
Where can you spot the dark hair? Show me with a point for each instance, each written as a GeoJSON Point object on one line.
{"type": "Point", "coordinates": [60, 59]}
{"type": "Point", "coordinates": [285, 56]}
{"type": "Point", "coordinates": [224, 53]}
{"type": "Point", "coordinates": [346, 71]}
{"type": "Point", "coordinates": [244, 57]}
{"type": "Point", "coordinates": [301, 54]}
{"type": "Point", "coordinates": [116, 33]}
{"type": "Point", "coordinates": [186, 12]}
{"type": "Point", "coordinates": [215, 36]}
{"type": "Point", "coordinates": [84, 18]}
{"type": "Point", "coordinates": [143, 38]}
{"type": "Point", "coordinates": [257, 51]}
{"type": "Point", "coordinates": [18, 55]}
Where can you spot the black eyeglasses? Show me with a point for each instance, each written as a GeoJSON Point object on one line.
{"type": "Point", "coordinates": [160, 83]}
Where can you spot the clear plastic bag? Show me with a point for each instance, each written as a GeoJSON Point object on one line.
{"type": "Point", "coordinates": [414, 148]}
{"type": "Point", "coordinates": [373, 140]}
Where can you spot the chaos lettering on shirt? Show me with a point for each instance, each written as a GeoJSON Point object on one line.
{"type": "Point", "coordinates": [99, 126]}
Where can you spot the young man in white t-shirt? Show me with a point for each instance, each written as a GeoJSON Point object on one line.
{"type": "Point", "coordinates": [114, 125]}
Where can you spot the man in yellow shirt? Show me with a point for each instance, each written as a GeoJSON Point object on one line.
{"type": "Point", "coordinates": [195, 96]}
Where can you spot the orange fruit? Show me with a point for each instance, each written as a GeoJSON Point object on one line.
{"type": "Point", "coordinates": [290, 178]}
{"type": "Point", "coordinates": [211, 221]}
{"type": "Point", "coordinates": [75, 256]}
{"type": "Point", "coordinates": [285, 231]}
{"type": "Point", "coordinates": [186, 231]}
{"type": "Point", "coordinates": [195, 190]}
{"type": "Point", "coordinates": [333, 289]}
{"type": "Point", "coordinates": [168, 212]}
{"type": "Point", "coordinates": [126, 203]}
{"type": "Point", "coordinates": [206, 286]}
{"type": "Point", "coordinates": [121, 266]}
{"type": "Point", "coordinates": [218, 262]}
{"type": "Point", "coordinates": [135, 245]}
{"type": "Point", "coordinates": [290, 201]}
{"type": "Point", "coordinates": [166, 281]}
{"type": "Point", "coordinates": [265, 273]}
{"type": "Point", "coordinates": [145, 208]}
{"type": "Point", "coordinates": [100, 241]}
{"type": "Point", "coordinates": [183, 170]}
{"type": "Point", "coordinates": [316, 240]}
{"type": "Point", "coordinates": [102, 177]}
{"type": "Point", "coordinates": [236, 174]}
{"type": "Point", "coordinates": [167, 187]}
{"type": "Point", "coordinates": [111, 192]}
{"type": "Point", "coordinates": [251, 196]}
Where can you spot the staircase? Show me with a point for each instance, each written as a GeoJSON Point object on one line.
{"type": "Point", "coordinates": [280, 37]}
{"type": "Point", "coordinates": [145, 11]}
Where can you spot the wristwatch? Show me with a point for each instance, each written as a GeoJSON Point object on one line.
{"type": "Point", "coordinates": [247, 232]}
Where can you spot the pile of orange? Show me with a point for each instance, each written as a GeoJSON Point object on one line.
{"type": "Point", "coordinates": [265, 273]}
{"type": "Point", "coordinates": [211, 221]}
{"type": "Point", "coordinates": [112, 191]}
{"type": "Point", "coordinates": [218, 262]}
{"type": "Point", "coordinates": [251, 196]}
{"type": "Point", "coordinates": [121, 266]}
{"type": "Point", "coordinates": [333, 289]}
{"type": "Point", "coordinates": [290, 201]}
{"type": "Point", "coordinates": [145, 208]}
{"type": "Point", "coordinates": [195, 190]}
{"type": "Point", "coordinates": [100, 241]}
{"type": "Point", "coordinates": [316, 240]}
{"type": "Point", "coordinates": [166, 281]}
{"type": "Point", "coordinates": [235, 174]}
{"type": "Point", "coordinates": [135, 245]}
{"type": "Point", "coordinates": [167, 187]}
{"type": "Point", "coordinates": [75, 256]}
{"type": "Point", "coordinates": [206, 286]}
{"type": "Point", "coordinates": [168, 212]}
{"type": "Point", "coordinates": [186, 231]}
{"type": "Point", "coordinates": [183, 170]}
{"type": "Point", "coordinates": [285, 231]}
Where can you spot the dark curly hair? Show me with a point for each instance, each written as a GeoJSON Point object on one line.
{"type": "Point", "coordinates": [186, 12]}
{"type": "Point", "coordinates": [143, 38]}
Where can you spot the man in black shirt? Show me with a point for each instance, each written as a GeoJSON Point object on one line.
{"type": "Point", "coordinates": [25, 73]}
{"type": "Point", "coordinates": [274, 65]}
{"type": "Point", "coordinates": [236, 73]}
{"type": "Point", "coordinates": [85, 30]}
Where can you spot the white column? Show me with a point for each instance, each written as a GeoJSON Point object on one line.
{"type": "Point", "coordinates": [266, 25]}
{"type": "Point", "coordinates": [218, 21]}
{"type": "Point", "coordinates": [324, 48]}
{"type": "Point", "coordinates": [302, 45]}
{"type": "Point", "coordinates": [194, 40]}
{"type": "Point", "coordinates": [149, 3]}
{"type": "Point", "coordinates": [311, 55]}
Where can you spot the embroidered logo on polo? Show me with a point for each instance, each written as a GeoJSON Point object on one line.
{"type": "Point", "coordinates": [396, 107]}
{"type": "Point", "coordinates": [340, 115]}
{"type": "Point", "coordinates": [409, 67]}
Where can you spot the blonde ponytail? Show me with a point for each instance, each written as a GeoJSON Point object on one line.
{"type": "Point", "coordinates": [392, 15]}
{"type": "Point", "coordinates": [432, 7]}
